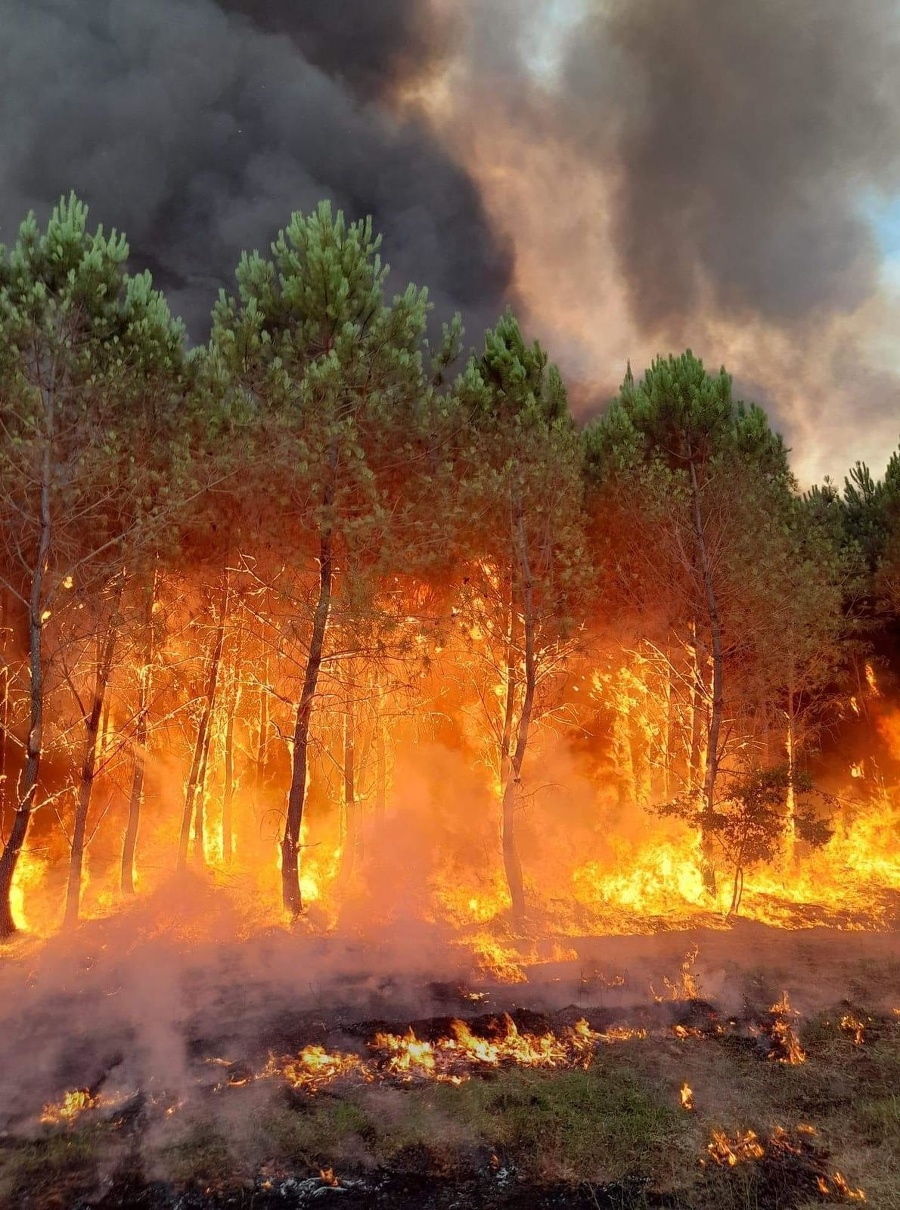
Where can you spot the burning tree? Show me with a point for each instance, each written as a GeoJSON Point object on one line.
{"type": "Point", "coordinates": [803, 632]}
{"type": "Point", "coordinates": [685, 474]}
{"type": "Point", "coordinates": [749, 824]}
{"type": "Point", "coordinates": [87, 358]}
{"type": "Point", "coordinates": [334, 379]}
{"type": "Point", "coordinates": [523, 600]}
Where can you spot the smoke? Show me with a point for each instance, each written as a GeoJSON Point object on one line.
{"type": "Point", "coordinates": [375, 49]}
{"type": "Point", "coordinates": [637, 176]}
{"type": "Point", "coordinates": [742, 137]}
{"type": "Point", "coordinates": [700, 174]}
{"type": "Point", "coordinates": [199, 131]}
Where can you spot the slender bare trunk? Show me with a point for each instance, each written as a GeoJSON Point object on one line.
{"type": "Point", "coordinates": [34, 742]}
{"type": "Point", "coordinates": [790, 835]}
{"type": "Point", "coordinates": [713, 753]}
{"type": "Point", "coordinates": [509, 704]}
{"type": "Point", "coordinates": [262, 744]}
{"type": "Point", "coordinates": [352, 836]}
{"type": "Point", "coordinates": [200, 799]}
{"type": "Point", "coordinates": [667, 732]}
{"type": "Point", "coordinates": [698, 713]}
{"type": "Point", "coordinates": [512, 863]}
{"type": "Point", "coordinates": [106, 646]}
{"type": "Point", "coordinates": [139, 746]}
{"type": "Point", "coordinates": [290, 844]}
{"type": "Point", "coordinates": [193, 798]}
{"type": "Point", "coordinates": [4, 700]}
{"type": "Point", "coordinates": [228, 790]}
{"type": "Point", "coordinates": [380, 760]}
{"type": "Point", "coordinates": [737, 890]}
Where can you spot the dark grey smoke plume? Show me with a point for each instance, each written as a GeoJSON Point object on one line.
{"type": "Point", "coordinates": [373, 47]}
{"type": "Point", "coordinates": [739, 136]}
{"type": "Point", "coordinates": [198, 131]}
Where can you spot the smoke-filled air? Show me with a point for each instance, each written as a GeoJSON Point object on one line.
{"type": "Point", "coordinates": [449, 731]}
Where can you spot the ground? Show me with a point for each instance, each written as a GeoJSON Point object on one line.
{"type": "Point", "coordinates": [182, 1061]}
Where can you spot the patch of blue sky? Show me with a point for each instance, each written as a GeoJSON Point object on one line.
{"type": "Point", "coordinates": [884, 215]}
{"type": "Point", "coordinates": [546, 40]}
{"type": "Point", "coordinates": [883, 212]}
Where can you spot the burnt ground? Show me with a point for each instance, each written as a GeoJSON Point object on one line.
{"type": "Point", "coordinates": [168, 1039]}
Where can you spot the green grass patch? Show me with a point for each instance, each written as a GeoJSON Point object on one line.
{"type": "Point", "coordinates": [201, 1156]}
{"type": "Point", "coordinates": [328, 1132]}
{"type": "Point", "coordinates": [46, 1164]}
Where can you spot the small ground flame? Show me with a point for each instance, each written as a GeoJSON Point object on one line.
{"type": "Point", "coordinates": [728, 1152]}
{"type": "Point", "coordinates": [836, 1186]}
{"type": "Point", "coordinates": [788, 1049]}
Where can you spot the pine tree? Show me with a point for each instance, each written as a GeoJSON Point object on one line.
{"type": "Point", "coordinates": [333, 375]}
{"type": "Point", "coordinates": [87, 358]}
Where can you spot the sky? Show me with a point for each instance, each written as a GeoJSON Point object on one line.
{"type": "Point", "coordinates": [634, 176]}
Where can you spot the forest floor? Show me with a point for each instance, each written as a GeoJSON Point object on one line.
{"type": "Point", "coordinates": [173, 1056]}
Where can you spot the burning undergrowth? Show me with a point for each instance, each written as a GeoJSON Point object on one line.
{"type": "Point", "coordinates": [278, 1073]}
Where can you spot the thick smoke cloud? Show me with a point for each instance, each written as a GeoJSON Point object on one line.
{"type": "Point", "coordinates": [740, 137]}
{"type": "Point", "coordinates": [373, 48]}
{"type": "Point", "coordinates": [700, 173]}
{"type": "Point", "coordinates": [198, 131]}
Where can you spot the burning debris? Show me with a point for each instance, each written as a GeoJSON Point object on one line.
{"type": "Point", "coordinates": [786, 1045]}
{"type": "Point", "coordinates": [70, 1108]}
{"type": "Point", "coordinates": [836, 1186]}
{"type": "Point", "coordinates": [856, 1028]}
{"type": "Point", "coordinates": [784, 1151]}
{"type": "Point", "coordinates": [731, 1151]}
{"type": "Point", "coordinates": [451, 1057]}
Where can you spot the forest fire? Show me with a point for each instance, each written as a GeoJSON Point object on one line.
{"type": "Point", "coordinates": [422, 764]}
{"type": "Point", "coordinates": [366, 713]}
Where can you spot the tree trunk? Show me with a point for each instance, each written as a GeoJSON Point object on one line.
{"type": "Point", "coordinates": [5, 633]}
{"type": "Point", "coordinates": [790, 834]}
{"type": "Point", "coordinates": [228, 790]}
{"type": "Point", "coordinates": [106, 650]}
{"type": "Point", "coordinates": [511, 861]}
{"type": "Point", "coordinates": [667, 733]}
{"type": "Point", "coordinates": [696, 772]}
{"type": "Point", "coordinates": [195, 786]}
{"type": "Point", "coordinates": [33, 746]}
{"type": "Point", "coordinates": [200, 799]}
{"type": "Point", "coordinates": [717, 700]}
{"type": "Point", "coordinates": [352, 837]}
{"type": "Point", "coordinates": [139, 746]}
{"type": "Point", "coordinates": [290, 844]}
{"type": "Point", "coordinates": [263, 740]}
{"type": "Point", "coordinates": [380, 760]}
{"type": "Point", "coordinates": [737, 891]}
